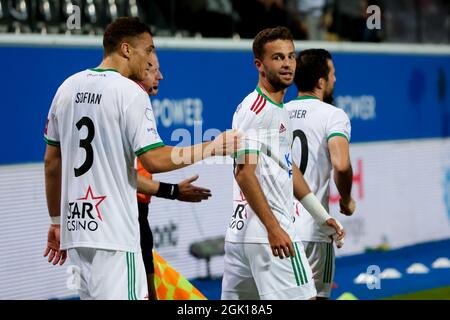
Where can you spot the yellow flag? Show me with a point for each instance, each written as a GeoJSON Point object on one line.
{"type": "Point", "coordinates": [170, 284]}
{"type": "Point", "coordinates": [347, 296]}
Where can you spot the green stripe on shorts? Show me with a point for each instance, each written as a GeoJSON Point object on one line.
{"type": "Point", "coordinates": [328, 264]}
{"type": "Point", "coordinates": [131, 268]}
{"type": "Point", "coordinates": [295, 271]}
{"type": "Point", "coordinates": [297, 253]}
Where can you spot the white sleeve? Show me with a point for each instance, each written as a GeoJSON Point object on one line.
{"type": "Point", "coordinates": [249, 125]}
{"type": "Point", "coordinates": [338, 125]}
{"type": "Point", "coordinates": [51, 133]}
{"type": "Point", "coordinates": [140, 125]}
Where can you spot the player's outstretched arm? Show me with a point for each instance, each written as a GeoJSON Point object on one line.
{"type": "Point", "coordinates": [279, 240]}
{"type": "Point", "coordinates": [310, 202]}
{"type": "Point", "coordinates": [169, 158]}
{"type": "Point", "coordinates": [52, 169]}
{"type": "Point", "coordinates": [190, 193]}
{"type": "Point", "coordinates": [343, 174]}
{"type": "Point", "coordinates": [183, 191]}
{"type": "Point", "coordinates": [146, 185]}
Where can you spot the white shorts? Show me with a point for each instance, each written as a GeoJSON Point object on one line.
{"type": "Point", "coordinates": [321, 259]}
{"type": "Point", "coordinates": [110, 275]}
{"type": "Point", "coordinates": [252, 272]}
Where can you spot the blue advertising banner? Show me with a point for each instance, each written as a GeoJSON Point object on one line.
{"type": "Point", "coordinates": [387, 96]}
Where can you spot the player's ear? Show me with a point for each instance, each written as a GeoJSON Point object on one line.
{"type": "Point", "coordinates": [259, 65]}
{"type": "Point", "coordinates": [321, 83]}
{"type": "Point", "coordinates": [125, 50]}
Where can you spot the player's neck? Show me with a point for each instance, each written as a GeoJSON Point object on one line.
{"type": "Point", "coordinates": [113, 62]}
{"type": "Point", "coordinates": [316, 94]}
{"type": "Point", "coordinates": [274, 94]}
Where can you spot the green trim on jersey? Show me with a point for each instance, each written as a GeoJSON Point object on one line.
{"type": "Point", "coordinates": [279, 105]}
{"type": "Point", "coordinates": [51, 142]}
{"type": "Point", "coordinates": [337, 134]}
{"type": "Point", "coordinates": [241, 152]}
{"type": "Point", "coordinates": [150, 147]}
{"type": "Point", "coordinates": [103, 70]}
{"type": "Point", "coordinates": [306, 98]}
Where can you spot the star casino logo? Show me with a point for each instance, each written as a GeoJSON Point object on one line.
{"type": "Point", "coordinates": [84, 213]}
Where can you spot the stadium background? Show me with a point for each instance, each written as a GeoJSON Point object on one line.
{"type": "Point", "coordinates": [397, 96]}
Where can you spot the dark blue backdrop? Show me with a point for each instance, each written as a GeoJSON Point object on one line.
{"type": "Point", "coordinates": [411, 91]}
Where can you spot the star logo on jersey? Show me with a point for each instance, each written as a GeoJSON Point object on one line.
{"type": "Point", "coordinates": [92, 197]}
{"type": "Point", "coordinates": [282, 128]}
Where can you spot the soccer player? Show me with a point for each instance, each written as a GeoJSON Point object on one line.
{"type": "Point", "coordinates": [321, 143]}
{"type": "Point", "coordinates": [184, 191]}
{"type": "Point", "coordinates": [99, 121]}
{"type": "Point", "coordinates": [262, 227]}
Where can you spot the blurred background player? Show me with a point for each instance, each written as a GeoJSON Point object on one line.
{"type": "Point", "coordinates": [262, 226]}
{"type": "Point", "coordinates": [99, 121]}
{"type": "Point", "coordinates": [184, 191]}
{"type": "Point", "coordinates": [321, 143]}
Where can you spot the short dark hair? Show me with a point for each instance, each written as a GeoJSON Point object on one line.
{"type": "Point", "coordinates": [312, 64]}
{"type": "Point", "coordinates": [269, 35]}
{"type": "Point", "coordinates": [120, 29]}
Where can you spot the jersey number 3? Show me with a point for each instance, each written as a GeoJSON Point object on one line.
{"type": "Point", "coordinates": [86, 145]}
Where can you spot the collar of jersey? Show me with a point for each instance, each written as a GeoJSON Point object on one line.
{"type": "Point", "coordinates": [279, 105]}
{"type": "Point", "coordinates": [306, 97]}
{"type": "Point", "coordinates": [102, 70]}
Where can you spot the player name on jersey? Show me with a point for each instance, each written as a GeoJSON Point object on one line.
{"type": "Point", "coordinates": [298, 114]}
{"type": "Point", "coordinates": [88, 97]}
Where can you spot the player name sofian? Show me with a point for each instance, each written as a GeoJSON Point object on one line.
{"type": "Point", "coordinates": [88, 97]}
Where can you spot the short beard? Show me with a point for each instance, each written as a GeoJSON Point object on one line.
{"type": "Point", "coordinates": [328, 98]}
{"type": "Point", "coordinates": [276, 82]}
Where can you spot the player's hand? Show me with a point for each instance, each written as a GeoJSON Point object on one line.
{"type": "Point", "coordinates": [347, 207]}
{"type": "Point", "coordinates": [339, 232]}
{"type": "Point", "coordinates": [53, 245]}
{"type": "Point", "coordinates": [226, 143]}
{"type": "Point", "coordinates": [190, 193]}
{"type": "Point", "coordinates": [335, 231]}
{"type": "Point", "coordinates": [281, 243]}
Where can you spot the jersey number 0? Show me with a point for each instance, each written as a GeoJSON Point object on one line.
{"type": "Point", "coordinates": [86, 145]}
{"type": "Point", "coordinates": [304, 145]}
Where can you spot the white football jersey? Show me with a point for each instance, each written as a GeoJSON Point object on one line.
{"type": "Point", "coordinates": [314, 122]}
{"type": "Point", "coordinates": [267, 132]}
{"type": "Point", "coordinates": [101, 121]}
